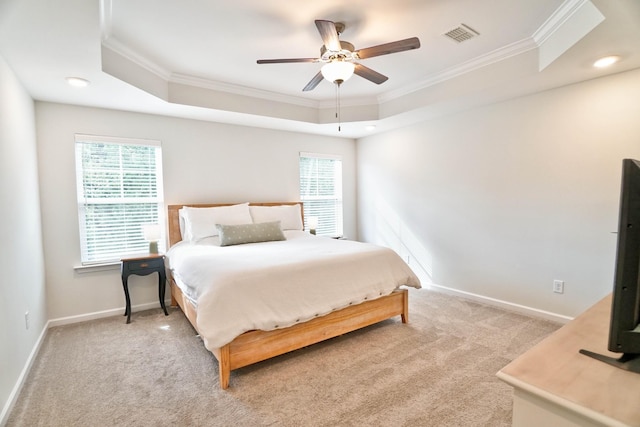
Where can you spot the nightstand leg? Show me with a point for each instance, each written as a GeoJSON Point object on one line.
{"type": "Point", "coordinates": [127, 309]}
{"type": "Point", "coordinates": [162, 284]}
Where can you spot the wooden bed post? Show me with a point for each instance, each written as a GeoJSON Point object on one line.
{"type": "Point", "coordinates": [405, 308]}
{"type": "Point", "coordinates": [224, 366]}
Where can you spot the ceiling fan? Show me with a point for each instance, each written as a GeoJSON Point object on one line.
{"type": "Point", "coordinates": [340, 58]}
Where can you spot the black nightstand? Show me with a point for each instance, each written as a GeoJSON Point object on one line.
{"type": "Point", "coordinates": [142, 266]}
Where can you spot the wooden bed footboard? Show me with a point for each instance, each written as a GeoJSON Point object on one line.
{"type": "Point", "coordinates": [255, 346]}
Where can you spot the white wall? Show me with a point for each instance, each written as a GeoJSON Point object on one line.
{"type": "Point", "coordinates": [501, 200]}
{"type": "Point", "coordinates": [22, 287]}
{"type": "Point", "coordinates": [202, 162]}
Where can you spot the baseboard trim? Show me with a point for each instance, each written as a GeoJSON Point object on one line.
{"type": "Point", "coordinates": [101, 314]}
{"type": "Point", "coordinates": [4, 415]}
{"type": "Point", "coordinates": [523, 309]}
{"type": "Point", "coordinates": [13, 396]}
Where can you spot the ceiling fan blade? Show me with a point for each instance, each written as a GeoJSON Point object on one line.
{"type": "Point", "coordinates": [329, 35]}
{"type": "Point", "coordinates": [314, 82]}
{"type": "Point", "coordinates": [284, 61]}
{"type": "Point", "coordinates": [369, 74]}
{"type": "Point", "coordinates": [387, 48]}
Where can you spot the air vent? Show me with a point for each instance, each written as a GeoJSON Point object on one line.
{"type": "Point", "coordinates": [461, 33]}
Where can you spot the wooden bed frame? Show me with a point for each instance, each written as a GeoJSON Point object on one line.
{"type": "Point", "coordinates": [255, 346]}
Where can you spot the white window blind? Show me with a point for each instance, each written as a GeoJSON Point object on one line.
{"type": "Point", "coordinates": [119, 186]}
{"type": "Point", "coordinates": [321, 191]}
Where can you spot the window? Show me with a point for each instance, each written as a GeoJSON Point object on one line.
{"type": "Point", "coordinates": [321, 191]}
{"type": "Point", "coordinates": [119, 185]}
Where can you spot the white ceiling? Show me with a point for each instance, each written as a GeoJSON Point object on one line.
{"type": "Point", "coordinates": [197, 59]}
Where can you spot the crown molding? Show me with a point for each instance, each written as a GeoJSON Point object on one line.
{"type": "Point", "coordinates": [203, 83]}
{"type": "Point", "coordinates": [349, 102]}
{"type": "Point", "coordinates": [493, 57]}
{"type": "Point", "coordinates": [199, 82]}
{"type": "Point", "coordinates": [106, 18]}
{"type": "Point", "coordinates": [546, 30]}
{"type": "Point", "coordinates": [133, 56]}
{"type": "Point", "coordinates": [557, 20]}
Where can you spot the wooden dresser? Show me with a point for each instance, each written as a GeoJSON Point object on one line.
{"type": "Point", "coordinates": [554, 385]}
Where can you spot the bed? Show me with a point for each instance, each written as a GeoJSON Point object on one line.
{"type": "Point", "coordinates": [253, 298]}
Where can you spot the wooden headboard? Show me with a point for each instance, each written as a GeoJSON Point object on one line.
{"type": "Point", "coordinates": [174, 216]}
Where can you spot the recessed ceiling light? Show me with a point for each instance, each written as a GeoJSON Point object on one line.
{"type": "Point", "coordinates": [77, 81]}
{"type": "Point", "coordinates": [606, 61]}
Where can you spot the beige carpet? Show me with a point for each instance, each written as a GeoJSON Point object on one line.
{"type": "Point", "coordinates": [439, 370]}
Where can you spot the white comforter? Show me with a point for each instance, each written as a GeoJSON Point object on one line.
{"type": "Point", "coordinates": [273, 285]}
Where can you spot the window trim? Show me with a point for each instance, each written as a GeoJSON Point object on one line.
{"type": "Point", "coordinates": [107, 264]}
{"type": "Point", "coordinates": [320, 155]}
{"type": "Point", "coordinates": [325, 156]}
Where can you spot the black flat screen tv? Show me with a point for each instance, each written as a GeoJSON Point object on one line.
{"type": "Point", "coordinates": [624, 328]}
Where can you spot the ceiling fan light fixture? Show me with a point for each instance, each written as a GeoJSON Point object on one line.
{"type": "Point", "coordinates": [337, 71]}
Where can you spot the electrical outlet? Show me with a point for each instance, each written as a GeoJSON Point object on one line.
{"type": "Point", "coordinates": [558, 286]}
{"type": "Point", "coordinates": [26, 319]}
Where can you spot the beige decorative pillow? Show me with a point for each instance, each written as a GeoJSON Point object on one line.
{"type": "Point", "coordinates": [249, 233]}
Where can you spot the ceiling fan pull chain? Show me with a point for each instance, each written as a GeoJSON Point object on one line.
{"type": "Point", "coordinates": [338, 105]}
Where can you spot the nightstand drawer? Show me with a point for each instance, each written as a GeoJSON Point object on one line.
{"type": "Point", "coordinates": [145, 264]}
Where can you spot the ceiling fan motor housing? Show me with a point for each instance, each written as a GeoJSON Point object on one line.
{"type": "Point", "coordinates": [346, 53]}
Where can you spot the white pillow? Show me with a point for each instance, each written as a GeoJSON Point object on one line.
{"type": "Point", "coordinates": [289, 216]}
{"type": "Point", "coordinates": [201, 222]}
